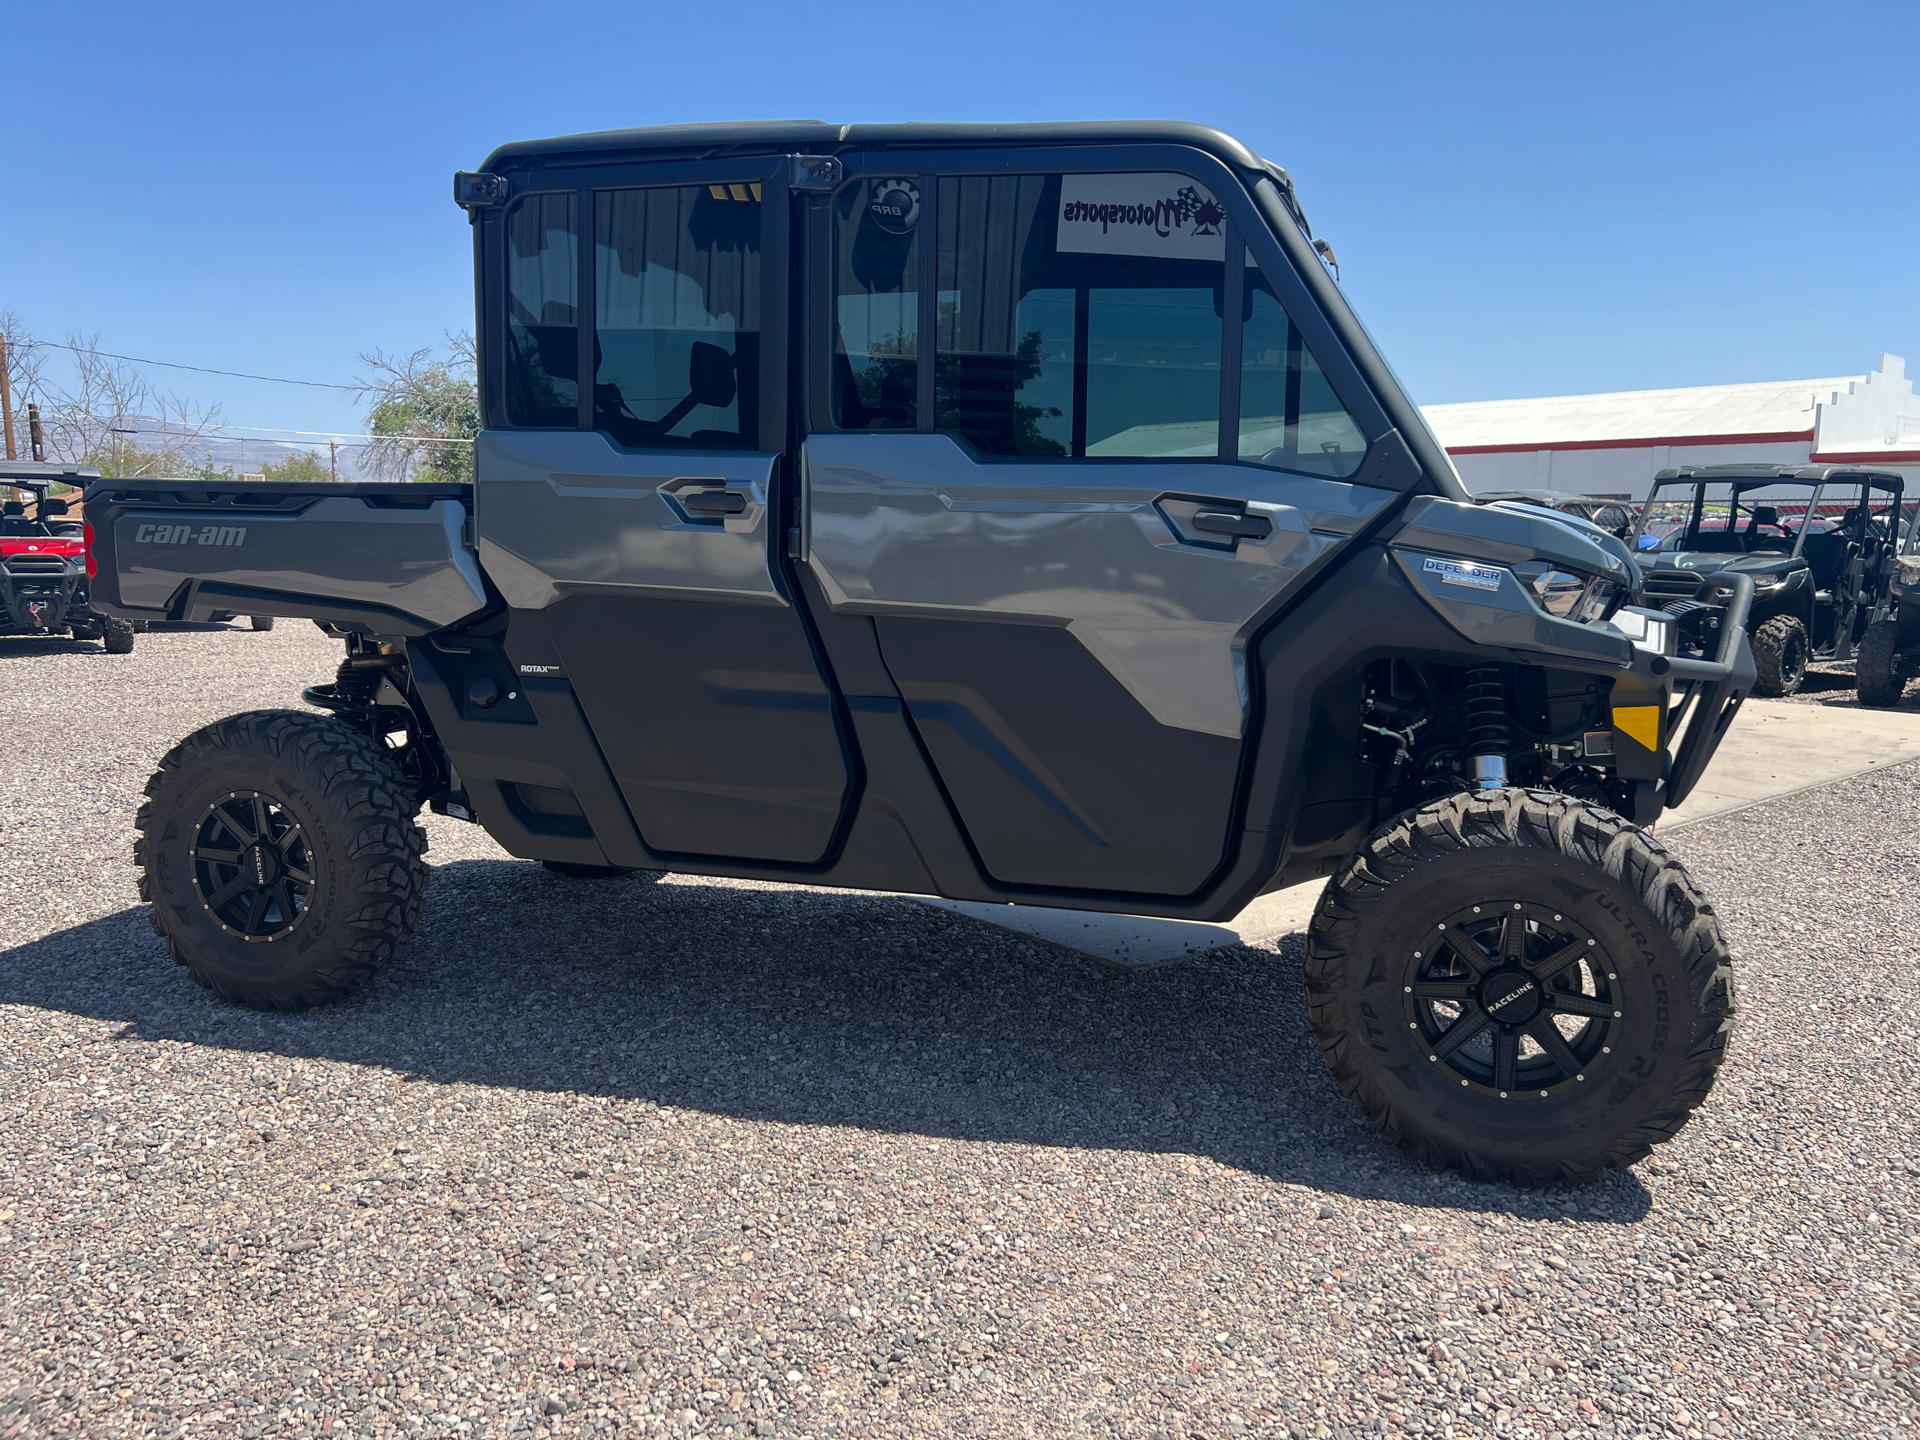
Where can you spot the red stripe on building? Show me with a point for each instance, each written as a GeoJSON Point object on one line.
{"type": "Point", "coordinates": [1871, 457]}
{"type": "Point", "coordinates": [1781, 437]}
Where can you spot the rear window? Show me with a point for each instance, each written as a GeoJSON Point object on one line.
{"type": "Point", "coordinates": [543, 339]}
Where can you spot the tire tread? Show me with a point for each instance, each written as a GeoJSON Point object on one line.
{"type": "Point", "coordinates": [1544, 820]}
{"type": "Point", "coordinates": [385, 889]}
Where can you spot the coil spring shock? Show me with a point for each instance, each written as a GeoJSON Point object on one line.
{"type": "Point", "coordinates": [1486, 705]}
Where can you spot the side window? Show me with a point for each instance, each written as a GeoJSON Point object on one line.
{"type": "Point", "coordinates": [1290, 418]}
{"type": "Point", "coordinates": [1079, 315]}
{"type": "Point", "coordinates": [677, 315]}
{"type": "Point", "coordinates": [876, 305]}
{"type": "Point", "coordinates": [543, 281]}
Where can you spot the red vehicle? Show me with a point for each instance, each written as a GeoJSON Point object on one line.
{"type": "Point", "coordinates": [43, 562]}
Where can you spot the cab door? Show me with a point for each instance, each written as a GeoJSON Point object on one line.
{"type": "Point", "coordinates": [1071, 452]}
{"type": "Point", "coordinates": [629, 495]}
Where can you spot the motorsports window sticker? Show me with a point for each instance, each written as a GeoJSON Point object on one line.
{"type": "Point", "coordinates": [1464, 572]}
{"type": "Point", "coordinates": [1161, 214]}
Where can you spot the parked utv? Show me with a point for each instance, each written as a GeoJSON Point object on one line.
{"type": "Point", "coordinates": [1889, 652]}
{"type": "Point", "coordinates": [1818, 542]}
{"type": "Point", "coordinates": [43, 562]}
{"type": "Point", "coordinates": [1010, 513]}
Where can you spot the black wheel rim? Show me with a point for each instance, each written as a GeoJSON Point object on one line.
{"type": "Point", "coordinates": [252, 866]}
{"type": "Point", "coordinates": [1514, 1000]}
{"type": "Point", "coordinates": [1793, 665]}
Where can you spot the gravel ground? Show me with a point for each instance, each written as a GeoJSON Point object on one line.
{"type": "Point", "coordinates": [694, 1157]}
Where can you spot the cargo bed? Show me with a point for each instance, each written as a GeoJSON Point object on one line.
{"type": "Point", "coordinates": [387, 559]}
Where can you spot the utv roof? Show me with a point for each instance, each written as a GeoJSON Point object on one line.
{"type": "Point", "coordinates": [40, 474]}
{"type": "Point", "coordinates": [1806, 474]}
{"type": "Point", "coordinates": [740, 137]}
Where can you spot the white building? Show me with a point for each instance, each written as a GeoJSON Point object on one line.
{"type": "Point", "coordinates": [1613, 444]}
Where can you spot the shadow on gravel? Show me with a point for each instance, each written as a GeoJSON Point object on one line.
{"type": "Point", "coordinates": [26, 647]}
{"type": "Point", "coordinates": [810, 1008]}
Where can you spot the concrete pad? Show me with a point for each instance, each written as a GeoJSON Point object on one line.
{"type": "Point", "coordinates": [1775, 748]}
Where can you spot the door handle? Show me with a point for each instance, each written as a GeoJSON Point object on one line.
{"type": "Point", "coordinates": [1224, 522]}
{"type": "Point", "coordinates": [713, 502]}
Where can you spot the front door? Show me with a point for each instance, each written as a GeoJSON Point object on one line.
{"type": "Point", "coordinates": [629, 516]}
{"type": "Point", "coordinates": [1072, 458]}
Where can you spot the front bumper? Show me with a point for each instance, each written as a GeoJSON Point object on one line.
{"type": "Point", "coordinates": [1684, 705]}
{"type": "Point", "coordinates": [35, 598]}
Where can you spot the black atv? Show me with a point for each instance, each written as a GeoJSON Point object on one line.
{"type": "Point", "coordinates": [43, 562]}
{"type": "Point", "coordinates": [1818, 541]}
{"type": "Point", "coordinates": [1889, 652]}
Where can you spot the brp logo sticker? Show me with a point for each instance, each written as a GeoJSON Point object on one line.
{"type": "Point", "coordinates": [895, 206]}
{"type": "Point", "coordinates": [1464, 572]}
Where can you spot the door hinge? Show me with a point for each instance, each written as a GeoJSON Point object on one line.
{"type": "Point", "coordinates": [813, 172]}
{"type": "Point", "coordinates": [796, 547]}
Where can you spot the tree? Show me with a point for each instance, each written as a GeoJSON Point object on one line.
{"type": "Point", "coordinates": [302, 467]}
{"type": "Point", "coordinates": [423, 412]}
{"type": "Point", "coordinates": [109, 416]}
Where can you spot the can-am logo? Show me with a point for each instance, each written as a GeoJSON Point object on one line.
{"type": "Point", "coordinates": [190, 535]}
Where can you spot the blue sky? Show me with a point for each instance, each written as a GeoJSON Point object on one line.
{"type": "Point", "coordinates": [1526, 199]}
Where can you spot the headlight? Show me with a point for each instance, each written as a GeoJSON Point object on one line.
{"type": "Point", "coordinates": [1569, 594]}
{"type": "Point", "coordinates": [1910, 569]}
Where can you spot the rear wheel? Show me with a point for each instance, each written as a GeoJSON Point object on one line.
{"type": "Point", "coordinates": [260, 622]}
{"type": "Point", "coordinates": [116, 636]}
{"type": "Point", "coordinates": [1516, 984]}
{"type": "Point", "coordinates": [1877, 675]}
{"type": "Point", "coordinates": [1779, 656]}
{"type": "Point", "coordinates": [280, 858]}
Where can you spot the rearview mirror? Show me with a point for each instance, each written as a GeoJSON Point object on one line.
{"type": "Point", "coordinates": [710, 375]}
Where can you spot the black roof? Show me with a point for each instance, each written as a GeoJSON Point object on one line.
{"type": "Point", "coordinates": [1804, 474]}
{"type": "Point", "coordinates": [40, 474]}
{"type": "Point", "coordinates": [739, 137]}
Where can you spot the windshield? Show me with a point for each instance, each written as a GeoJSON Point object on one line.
{"type": "Point", "coordinates": [1762, 517]}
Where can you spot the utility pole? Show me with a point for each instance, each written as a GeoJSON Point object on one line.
{"type": "Point", "coordinates": [34, 438]}
{"type": "Point", "coordinates": [333, 458]}
{"type": "Point", "coordinates": [6, 397]}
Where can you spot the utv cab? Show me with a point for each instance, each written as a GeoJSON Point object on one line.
{"type": "Point", "coordinates": [1818, 542]}
{"type": "Point", "coordinates": [1007, 513]}
{"type": "Point", "coordinates": [44, 573]}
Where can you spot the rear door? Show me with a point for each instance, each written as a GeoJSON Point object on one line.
{"type": "Point", "coordinates": [1070, 451]}
{"type": "Point", "coordinates": [629, 517]}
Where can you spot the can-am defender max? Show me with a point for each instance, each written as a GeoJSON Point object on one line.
{"type": "Point", "coordinates": [1010, 513]}
{"type": "Point", "coordinates": [1818, 542]}
{"type": "Point", "coordinates": [43, 562]}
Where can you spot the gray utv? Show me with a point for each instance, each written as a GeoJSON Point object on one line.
{"type": "Point", "coordinates": [1818, 542]}
{"type": "Point", "coordinates": [1009, 513]}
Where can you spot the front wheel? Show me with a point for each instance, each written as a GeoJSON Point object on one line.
{"type": "Point", "coordinates": [260, 622]}
{"type": "Point", "coordinates": [1779, 656]}
{"type": "Point", "coordinates": [1518, 985]}
{"type": "Point", "coordinates": [280, 858]}
{"type": "Point", "coordinates": [1877, 676]}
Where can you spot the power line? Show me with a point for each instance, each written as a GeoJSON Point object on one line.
{"type": "Point", "coordinates": [197, 369]}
